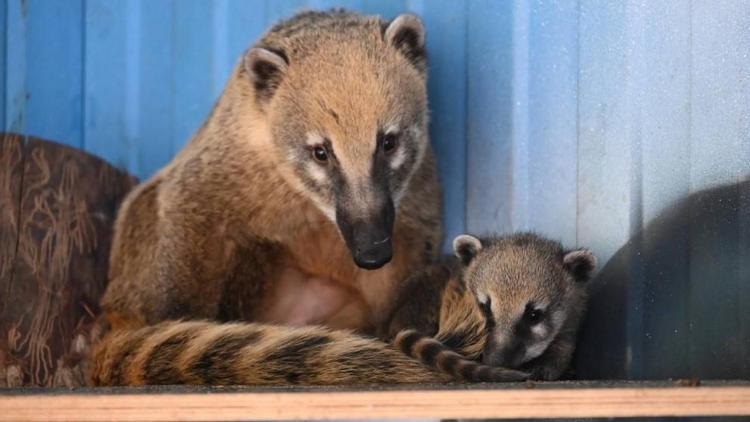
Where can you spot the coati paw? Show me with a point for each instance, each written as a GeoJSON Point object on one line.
{"type": "Point", "coordinates": [545, 373]}
{"type": "Point", "coordinates": [507, 375]}
{"type": "Point", "coordinates": [68, 376]}
{"type": "Point", "coordinates": [13, 376]}
{"type": "Point", "coordinates": [71, 367]}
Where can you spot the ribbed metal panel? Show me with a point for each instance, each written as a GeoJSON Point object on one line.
{"type": "Point", "coordinates": [599, 123]}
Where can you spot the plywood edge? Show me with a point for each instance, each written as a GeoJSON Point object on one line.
{"type": "Point", "coordinates": [447, 404]}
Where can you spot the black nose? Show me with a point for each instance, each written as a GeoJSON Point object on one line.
{"type": "Point", "coordinates": [375, 255]}
{"type": "Point", "coordinates": [369, 238]}
{"type": "Point", "coordinates": [510, 356]}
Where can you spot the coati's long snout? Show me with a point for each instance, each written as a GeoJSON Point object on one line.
{"type": "Point", "coordinates": [368, 234]}
{"type": "Point", "coordinates": [348, 120]}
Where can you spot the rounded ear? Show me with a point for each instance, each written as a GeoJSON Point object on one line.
{"type": "Point", "coordinates": [407, 34]}
{"type": "Point", "coordinates": [581, 263]}
{"type": "Point", "coordinates": [266, 69]}
{"type": "Point", "coordinates": [466, 247]}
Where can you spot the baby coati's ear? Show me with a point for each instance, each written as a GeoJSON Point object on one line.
{"type": "Point", "coordinates": [407, 34]}
{"type": "Point", "coordinates": [581, 263]}
{"type": "Point", "coordinates": [266, 68]}
{"type": "Point", "coordinates": [466, 247]}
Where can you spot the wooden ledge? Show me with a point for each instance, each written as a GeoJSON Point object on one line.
{"type": "Point", "coordinates": [544, 400]}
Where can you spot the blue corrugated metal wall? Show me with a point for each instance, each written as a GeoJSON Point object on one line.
{"type": "Point", "coordinates": [583, 119]}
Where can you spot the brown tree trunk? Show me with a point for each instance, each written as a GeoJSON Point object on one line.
{"type": "Point", "coordinates": [57, 208]}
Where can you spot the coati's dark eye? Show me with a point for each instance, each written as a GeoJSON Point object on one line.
{"type": "Point", "coordinates": [320, 154]}
{"type": "Point", "coordinates": [390, 142]}
{"type": "Point", "coordinates": [533, 315]}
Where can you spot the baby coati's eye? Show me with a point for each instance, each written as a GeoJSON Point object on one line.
{"type": "Point", "coordinates": [389, 142]}
{"type": "Point", "coordinates": [320, 154]}
{"type": "Point", "coordinates": [533, 315]}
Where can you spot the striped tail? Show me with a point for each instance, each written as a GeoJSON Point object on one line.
{"type": "Point", "coordinates": [207, 353]}
{"type": "Point", "coordinates": [441, 358]}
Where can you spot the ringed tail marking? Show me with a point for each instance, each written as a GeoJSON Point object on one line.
{"type": "Point", "coordinates": [207, 353]}
{"type": "Point", "coordinates": [441, 358]}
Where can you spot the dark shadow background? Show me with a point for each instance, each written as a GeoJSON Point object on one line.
{"type": "Point", "coordinates": [674, 301]}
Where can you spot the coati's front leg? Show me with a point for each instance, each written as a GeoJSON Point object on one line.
{"type": "Point", "coordinates": [418, 302]}
{"type": "Point", "coordinates": [192, 271]}
{"type": "Point", "coordinates": [165, 264]}
{"type": "Point", "coordinates": [249, 283]}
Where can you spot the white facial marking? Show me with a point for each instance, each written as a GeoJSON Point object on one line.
{"type": "Point", "coordinates": [319, 175]}
{"type": "Point", "coordinates": [557, 317]}
{"type": "Point", "coordinates": [482, 298]}
{"type": "Point", "coordinates": [400, 155]}
{"type": "Point", "coordinates": [416, 131]}
{"type": "Point", "coordinates": [326, 209]}
{"type": "Point", "coordinates": [398, 159]}
{"type": "Point", "coordinates": [391, 129]}
{"type": "Point", "coordinates": [313, 139]}
{"type": "Point", "coordinates": [416, 135]}
{"type": "Point", "coordinates": [316, 172]}
{"type": "Point", "coordinates": [537, 349]}
{"type": "Point", "coordinates": [539, 330]}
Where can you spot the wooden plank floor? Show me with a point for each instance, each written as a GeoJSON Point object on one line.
{"type": "Point", "coordinates": [542, 400]}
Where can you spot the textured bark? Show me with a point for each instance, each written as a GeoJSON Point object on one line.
{"type": "Point", "coordinates": [57, 208]}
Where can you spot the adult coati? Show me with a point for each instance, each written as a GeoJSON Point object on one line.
{"type": "Point", "coordinates": [308, 195]}
{"type": "Point", "coordinates": [514, 301]}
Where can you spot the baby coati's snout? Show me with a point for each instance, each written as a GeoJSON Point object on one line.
{"type": "Point", "coordinates": [532, 294]}
{"type": "Point", "coordinates": [522, 338]}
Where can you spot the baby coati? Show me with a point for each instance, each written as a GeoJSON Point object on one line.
{"type": "Point", "coordinates": [532, 294]}
{"type": "Point", "coordinates": [512, 301]}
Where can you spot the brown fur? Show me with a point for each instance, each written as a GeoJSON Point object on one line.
{"type": "Point", "coordinates": [244, 225]}
{"type": "Point", "coordinates": [181, 352]}
{"type": "Point", "coordinates": [259, 354]}
{"type": "Point", "coordinates": [443, 327]}
{"type": "Point", "coordinates": [514, 277]}
{"type": "Point", "coordinates": [250, 354]}
{"type": "Point", "coordinates": [230, 230]}
{"type": "Point", "coordinates": [442, 359]}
